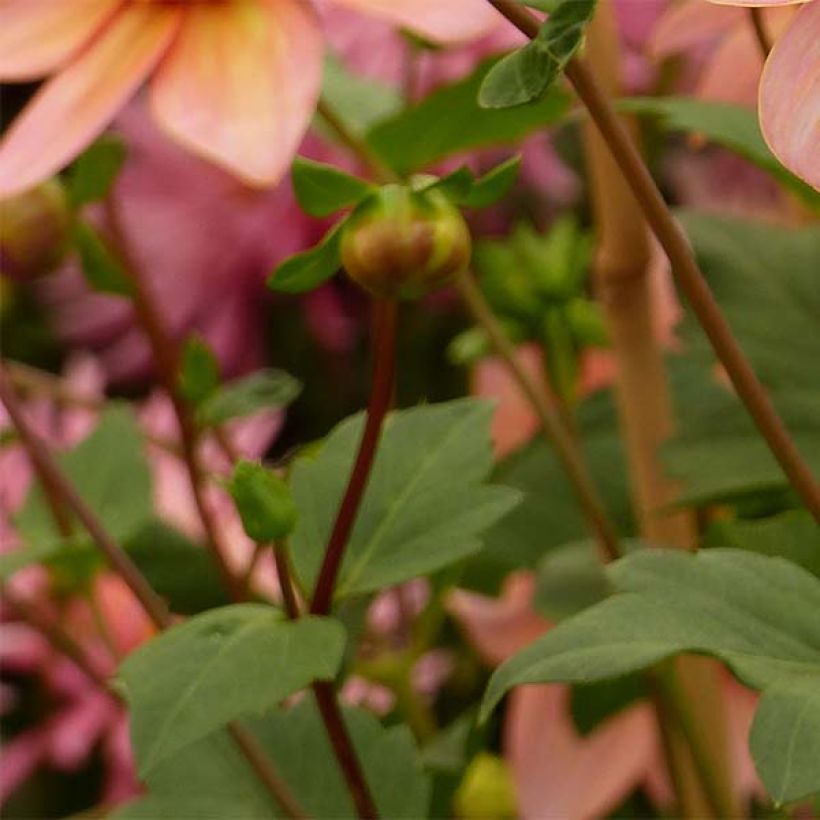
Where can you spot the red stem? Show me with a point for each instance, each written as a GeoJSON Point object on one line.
{"type": "Point", "coordinates": [344, 750]}
{"type": "Point", "coordinates": [384, 345]}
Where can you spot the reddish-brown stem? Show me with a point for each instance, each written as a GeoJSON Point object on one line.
{"type": "Point", "coordinates": [684, 267]}
{"type": "Point", "coordinates": [384, 344]}
{"type": "Point", "coordinates": [344, 750]}
{"type": "Point", "coordinates": [166, 358]}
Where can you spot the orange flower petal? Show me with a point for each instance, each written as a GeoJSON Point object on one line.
{"type": "Point", "coordinates": [71, 109]}
{"type": "Point", "coordinates": [240, 84]}
{"type": "Point", "coordinates": [38, 36]}
{"type": "Point", "coordinates": [790, 96]}
{"type": "Point", "coordinates": [437, 20]}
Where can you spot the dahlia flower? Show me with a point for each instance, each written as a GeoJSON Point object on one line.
{"type": "Point", "coordinates": [235, 81]}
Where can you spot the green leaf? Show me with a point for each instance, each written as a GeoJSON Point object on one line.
{"type": "Point", "coordinates": [363, 100]}
{"type": "Point", "coordinates": [785, 740]}
{"type": "Point", "coordinates": [199, 371]}
{"type": "Point", "coordinates": [94, 172]}
{"type": "Point", "coordinates": [755, 613]}
{"type": "Point", "coordinates": [181, 571]}
{"type": "Point", "coordinates": [450, 121]}
{"type": "Point", "coordinates": [322, 189]}
{"type": "Point", "coordinates": [264, 502]}
{"type": "Point", "coordinates": [414, 517]}
{"type": "Point", "coordinates": [217, 667]}
{"type": "Point", "coordinates": [527, 73]}
{"type": "Point", "coordinates": [549, 516]}
{"type": "Point", "coordinates": [764, 277]}
{"type": "Point", "coordinates": [494, 185]}
{"type": "Point", "coordinates": [109, 470]}
{"type": "Point", "coordinates": [793, 535]}
{"type": "Point", "coordinates": [307, 270]}
{"type": "Point", "coordinates": [211, 780]}
{"type": "Point", "coordinates": [735, 127]}
{"type": "Point", "coordinates": [570, 578]}
{"type": "Point", "coordinates": [102, 270]}
{"type": "Point", "coordinates": [262, 390]}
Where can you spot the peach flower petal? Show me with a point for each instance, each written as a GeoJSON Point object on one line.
{"type": "Point", "coordinates": [688, 24]}
{"type": "Point", "coordinates": [38, 36]}
{"type": "Point", "coordinates": [240, 84]}
{"type": "Point", "coordinates": [758, 3]}
{"type": "Point", "coordinates": [499, 627]}
{"type": "Point", "coordinates": [561, 774]}
{"type": "Point", "coordinates": [790, 96]}
{"type": "Point", "coordinates": [72, 108]}
{"type": "Point", "coordinates": [448, 21]}
{"type": "Point", "coordinates": [733, 73]}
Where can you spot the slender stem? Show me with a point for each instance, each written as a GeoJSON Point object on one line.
{"type": "Point", "coordinates": [344, 750]}
{"type": "Point", "coordinates": [684, 267]}
{"type": "Point", "coordinates": [166, 357]}
{"type": "Point", "coordinates": [152, 603]}
{"type": "Point", "coordinates": [355, 143]}
{"type": "Point", "coordinates": [549, 416]}
{"type": "Point", "coordinates": [384, 345]}
{"type": "Point", "coordinates": [46, 467]}
{"type": "Point", "coordinates": [759, 27]}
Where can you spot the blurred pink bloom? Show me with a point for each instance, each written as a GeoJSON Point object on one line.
{"type": "Point", "coordinates": [82, 717]}
{"type": "Point", "coordinates": [787, 92]}
{"type": "Point", "coordinates": [557, 771]}
{"type": "Point", "coordinates": [235, 81]}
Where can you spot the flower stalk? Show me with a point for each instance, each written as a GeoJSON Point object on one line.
{"type": "Point", "coordinates": [684, 267]}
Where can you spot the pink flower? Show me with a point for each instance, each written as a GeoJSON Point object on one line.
{"type": "Point", "coordinates": [787, 91]}
{"type": "Point", "coordinates": [236, 81]}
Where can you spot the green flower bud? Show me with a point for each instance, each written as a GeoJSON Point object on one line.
{"type": "Point", "coordinates": [34, 231]}
{"type": "Point", "coordinates": [487, 790]}
{"type": "Point", "coordinates": [264, 502]}
{"type": "Point", "coordinates": [404, 244]}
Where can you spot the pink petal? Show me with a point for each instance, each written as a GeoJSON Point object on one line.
{"type": "Point", "coordinates": [514, 422]}
{"type": "Point", "coordinates": [689, 24]}
{"type": "Point", "coordinates": [760, 3]}
{"type": "Point", "coordinates": [38, 36]}
{"type": "Point", "coordinates": [75, 106]}
{"type": "Point", "coordinates": [438, 20]}
{"type": "Point", "coordinates": [559, 773]}
{"type": "Point", "coordinates": [19, 759]}
{"type": "Point", "coordinates": [499, 627]}
{"type": "Point", "coordinates": [240, 84]}
{"type": "Point", "coordinates": [733, 73]}
{"type": "Point", "coordinates": [790, 96]}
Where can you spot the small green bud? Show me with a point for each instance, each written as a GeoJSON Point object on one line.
{"type": "Point", "coordinates": [487, 790]}
{"type": "Point", "coordinates": [264, 502]}
{"type": "Point", "coordinates": [404, 244]}
{"type": "Point", "coordinates": [34, 231]}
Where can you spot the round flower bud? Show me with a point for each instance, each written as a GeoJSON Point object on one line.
{"type": "Point", "coordinates": [34, 231]}
{"type": "Point", "coordinates": [263, 501]}
{"type": "Point", "coordinates": [403, 244]}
